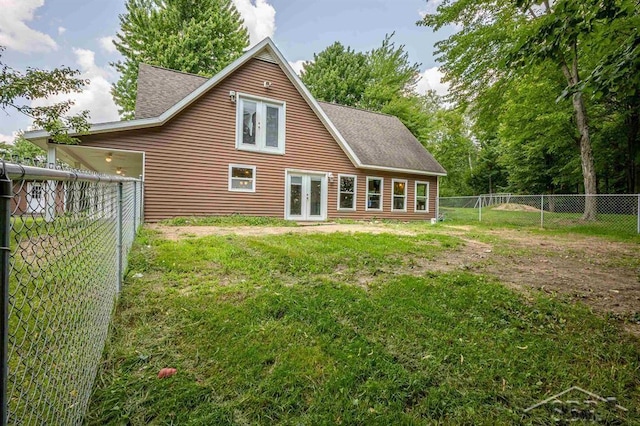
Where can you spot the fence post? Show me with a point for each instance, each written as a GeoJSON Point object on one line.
{"type": "Point", "coordinates": [135, 206]}
{"type": "Point", "coordinates": [480, 209]}
{"type": "Point", "coordinates": [6, 193]}
{"type": "Point", "coordinates": [638, 214]}
{"type": "Point", "coordinates": [119, 231]}
{"type": "Point", "coordinates": [542, 211]}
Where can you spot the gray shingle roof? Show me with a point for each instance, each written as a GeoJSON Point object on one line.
{"type": "Point", "coordinates": [377, 139]}
{"type": "Point", "coordinates": [159, 89]}
{"type": "Point", "coordinates": [380, 139]}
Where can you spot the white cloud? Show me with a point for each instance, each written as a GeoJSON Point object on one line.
{"type": "Point", "coordinates": [259, 18]}
{"type": "Point", "coordinates": [431, 8]}
{"type": "Point", "coordinates": [96, 96]}
{"type": "Point", "coordinates": [8, 138]}
{"type": "Point", "coordinates": [16, 34]}
{"type": "Point", "coordinates": [107, 44]}
{"type": "Point", "coordinates": [431, 79]}
{"type": "Point", "coordinates": [61, 30]}
{"type": "Point", "coordinates": [297, 65]}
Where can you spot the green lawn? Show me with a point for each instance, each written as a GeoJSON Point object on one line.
{"type": "Point", "coordinates": [337, 329]}
{"type": "Point", "coordinates": [616, 226]}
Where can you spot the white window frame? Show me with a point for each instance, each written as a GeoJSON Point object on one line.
{"type": "Point", "coordinates": [261, 108]}
{"type": "Point", "coordinates": [393, 184]}
{"type": "Point", "coordinates": [355, 193]}
{"type": "Point", "coordinates": [415, 196]}
{"type": "Point", "coordinates": [366, 201]}
{"type": "Point", "coordinates": [253, 179]}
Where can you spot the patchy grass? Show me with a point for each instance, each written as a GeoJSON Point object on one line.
{"type": "Point", "coordinates": [617, 227]}
{"type": "Point", "coordinates": [231, 220]}
{"type": "Point", "coordinates": [280, 329]}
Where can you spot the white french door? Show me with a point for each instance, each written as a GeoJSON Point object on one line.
{"type": "Point", "coordinates": [306, 196]}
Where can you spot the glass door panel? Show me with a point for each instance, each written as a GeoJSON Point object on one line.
{"type": "Point", "coordinates": [315, 197]}
{"type": "Point", "coordinates": [295, 196]}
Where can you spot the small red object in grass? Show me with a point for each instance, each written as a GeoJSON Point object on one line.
{"type": "Point", "coordinates": [166, 372]}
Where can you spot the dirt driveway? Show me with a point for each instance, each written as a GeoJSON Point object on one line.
{"type": "Point", "coordinates": [595, 271]}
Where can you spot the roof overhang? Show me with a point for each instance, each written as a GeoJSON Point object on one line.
{"type": "Point", "coordinates": [123, 162]}
{"type": "Point", "coordinates": [399, 170]}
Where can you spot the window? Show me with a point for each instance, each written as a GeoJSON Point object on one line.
{"type": "Point", "coordinates": [399, 194]}
{"type": "Point", "coordinates": [260, 125]}
{"type": "Point", "coordinates": [422, 197]}
{"type": "Point", "coordinates": [242, 178]}
{"type": "Point", "coordinates": [347, 192]}
{"type": "Point", "coordinates": [374, 193]}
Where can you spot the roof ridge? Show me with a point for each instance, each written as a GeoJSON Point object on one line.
{"type": "Point", "coordinates": [175, 71]}
{"type": "Point", "coordinates": [358, 109]}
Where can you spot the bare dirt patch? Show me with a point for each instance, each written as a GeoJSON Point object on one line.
{"type": "Point", "coordinates": [604, 275]}
{"type": "Point", "coordinates": [512, 207]}
{"type": "Point", "coordinates": [175, 233]}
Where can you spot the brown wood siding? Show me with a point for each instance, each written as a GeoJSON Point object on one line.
{"type": "Point", "coordinates": [187, 159]}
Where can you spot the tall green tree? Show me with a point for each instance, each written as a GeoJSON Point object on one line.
{"type": "Point", "coordinates": [338, 74]}
{"type": "Point", "coordinates": [16, 87]}
{"type": "Point", "coordinates": [382, 80]}
{"type": "Point", "coordinates": [194, 36]}
{"type": "Point", "coordinates": [505, 39]}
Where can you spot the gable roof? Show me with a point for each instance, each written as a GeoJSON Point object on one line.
{"type": "Point", "coordinates": [380, 140]}
{"type": "Point", "coordinates": [160, 88]}
{"type": "Point", "coordinates": [157, 95]}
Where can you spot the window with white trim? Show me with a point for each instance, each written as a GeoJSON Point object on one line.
{"type": "Point", "coordinates": [347, 185]}
{"type": "Point", "coordinates": [422, 197]}
{"type": "Point", "coordinates": [242, 178]}
{"type": "Point", "coordinates": [260, 125]}
{"type": "Point", "coordinates": [374, 193]}
{"type": "Point", "coordinates": [399, 195]}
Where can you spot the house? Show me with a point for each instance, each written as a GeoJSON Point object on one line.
{"type": "Point", "coordinates": [253, 140]}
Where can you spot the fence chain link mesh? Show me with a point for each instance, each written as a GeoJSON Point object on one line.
{"type": "Point", "coordinates": [64, 274]}
{"type": "Point", "coordinates": [612, 213]}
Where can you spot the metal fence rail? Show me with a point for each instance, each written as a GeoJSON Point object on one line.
{"type": "Point", "coordinates": [614, 213]}
{"type": "Point", "coordinates": [66, 238]}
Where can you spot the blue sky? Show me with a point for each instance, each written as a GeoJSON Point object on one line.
{"type": "Point", "coordinates": [51, 33]}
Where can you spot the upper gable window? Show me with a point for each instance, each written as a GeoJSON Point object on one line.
{"type": "Point", "coordinates": [260, 125]}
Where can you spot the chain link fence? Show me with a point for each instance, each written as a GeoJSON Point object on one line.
{"type": "Point", "coordinates": [66, 236]}
{"type": "Point", "coordinates": [604, 212]}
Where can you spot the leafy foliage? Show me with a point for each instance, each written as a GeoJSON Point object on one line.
{"type": "Point", "coordinates": [512, 66]}
{"type": "Point", "coordinates": [337, 74]}
{"type": "Point", "coordinates": [198, 37]}
{"type": "Point", "coordinates": [32, 84]}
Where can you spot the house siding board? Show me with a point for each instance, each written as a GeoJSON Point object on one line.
{"type": "Point", "coordinates": [187, 159]}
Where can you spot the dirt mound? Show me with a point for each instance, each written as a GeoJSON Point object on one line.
{"type": "Point", "coordinates": [513, 207]}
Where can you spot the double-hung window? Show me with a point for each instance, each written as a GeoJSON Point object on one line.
{"type": "Point", "coordinates": [422, 197]}
{"type": "Point", "coordinates": [242, 178]}
{"type": "Point", "coordinates": [399, 195]}
{"type": "Point", "coordinates": [260, 125]}
{"type": "Point", "coordinates": [374, 193]}
{"type": "Point", "coordinates": [347, 185]}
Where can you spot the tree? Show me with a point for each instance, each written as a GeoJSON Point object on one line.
{"type": "Point", "coordinates": [382, 80]}
{"type": "Point", "coordinates": [392, 76]}
{"type": "Point", "coordinates": [194, 36]}
{"type": "Point", "coordinates": [337, 74]}
{"type": "Point", "coordinates": [504, 39]}
{"type": "Point", "coordinates": [16, 86]}
{"type": "Point", "coordinates": [451, 144]}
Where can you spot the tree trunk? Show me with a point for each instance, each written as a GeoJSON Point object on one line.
{"type": "Point", "coordinates": [633, 140]}
{"type": "Point", "coordinates": [586, 157]}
